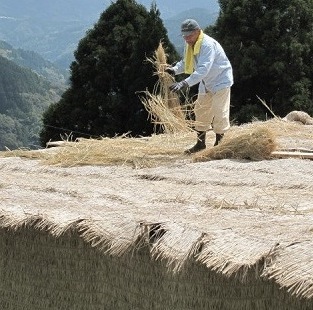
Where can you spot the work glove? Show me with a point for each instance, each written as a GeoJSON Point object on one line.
{"type": "Point", "coordinates": [170, 70]}
{"type": "Point", "coordinates": [176, 87]}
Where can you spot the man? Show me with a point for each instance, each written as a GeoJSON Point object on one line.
{"type": "Point", "coordinates": [207, 64]}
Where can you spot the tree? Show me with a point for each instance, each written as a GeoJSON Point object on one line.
{"type": "Point", "coordinates": [270, 45]}
{"type": "Point", "coordinates": [110, 67]}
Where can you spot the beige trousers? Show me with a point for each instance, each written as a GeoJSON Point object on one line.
{"type": "Point", "coordinates": [212, 111]}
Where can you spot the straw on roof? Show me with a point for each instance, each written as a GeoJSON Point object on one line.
{"type": "Point", "coordinates": [163, 149]}
{"type": "Point", "coordinates": [228, 215]}
{"type": "Point", "coordinates": [299, 116]}
{"type": "Point", "coordinates": [255, 143]}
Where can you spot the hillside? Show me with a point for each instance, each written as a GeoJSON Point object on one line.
{"type": "Point", "coordinates": [24, 95]}
{"type": "Point", "coordinates": [29, 59]}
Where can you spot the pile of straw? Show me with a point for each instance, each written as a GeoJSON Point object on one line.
{"type": "Point", "coordinates": [255, 143]}
{"type": "Point", "coordinates": [156, 150]}
{"type": "Point", "coordinates": [299, 116]}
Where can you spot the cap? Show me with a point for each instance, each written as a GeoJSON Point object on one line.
{"type": "Point", "coordinates": [189, 26]}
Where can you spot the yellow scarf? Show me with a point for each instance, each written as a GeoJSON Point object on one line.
{"type": "Point", "coordinates": [190, 52]}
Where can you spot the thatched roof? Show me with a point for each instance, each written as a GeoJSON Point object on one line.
{"type": "Point", "coordinates": [231, 215]}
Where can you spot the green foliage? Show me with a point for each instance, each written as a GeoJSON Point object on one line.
{"type": "Point", "coordinates": [270, 45]}
{"type": "Point", "coordinates": [109, 70]}
{"type": "Point", "coordinates": [10, 131]}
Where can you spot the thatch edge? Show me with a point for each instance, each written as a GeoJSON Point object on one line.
{"type": "Point", "coordinates": [166, 247]}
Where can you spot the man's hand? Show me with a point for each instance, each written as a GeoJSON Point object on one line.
{"type": "Point", "coordinates": [176, 87]}
{"type": "Point", "coordinates": [170, 70]}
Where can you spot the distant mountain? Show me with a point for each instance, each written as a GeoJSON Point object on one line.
{"type": "Point", "coordinates": [47, 11]}
{"type": "Point", "coordinates": [50, 28]}
{"type": "Point", "coordinates": [29, 59]}
{"type": "Point", "coordinates": [170, 9]}
{"type": "Point", "coordinates": [90, 10]}
{"type": "Point", "coordinates": [54, 28]}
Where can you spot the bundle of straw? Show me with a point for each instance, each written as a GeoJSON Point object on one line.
{"type": "Point", "coordinates": [171, 120]}
{"type": "Point", "coordinates": [164, 106]}
{"type": "Point", "coordinates": [253, 143]}
{"type": "Point", "coordinates": [299, 116]}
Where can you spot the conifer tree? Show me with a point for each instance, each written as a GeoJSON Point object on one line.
{"type": "Point", "coordinates": [110, 67]}
{"type": "Point", "coordinates": [270, 45]}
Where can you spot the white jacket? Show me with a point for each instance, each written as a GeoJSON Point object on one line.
{"type": "Point", "coordinates": [213, 70]}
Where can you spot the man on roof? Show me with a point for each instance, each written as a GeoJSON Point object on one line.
{"type": "Point", "coordinates": [206, 63]}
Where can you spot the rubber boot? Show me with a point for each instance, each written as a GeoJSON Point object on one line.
{"type": "Point", "coordinates": [200, 145]}
{"type": "Point", "coordinates": [219, 137]}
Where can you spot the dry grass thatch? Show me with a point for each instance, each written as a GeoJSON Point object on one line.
{"type": "Point", "coordinates": [66, 273]}
{"type": "Point", "coordinates": [261, 233]}
{"type": "Point", "coordinates": [299, 116]}
{"type": "Point", "coordinates": [254, 143]}
{"type": "Point", "coordinates": [137, 152]}
{"type": "Point", "coordinates": [172, 120]}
